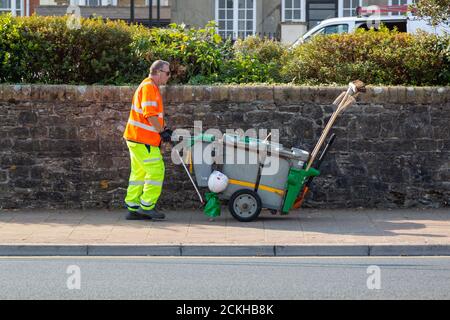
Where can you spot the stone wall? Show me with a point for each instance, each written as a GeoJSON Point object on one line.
{"type": "Point", "coordinates": [62, 146]}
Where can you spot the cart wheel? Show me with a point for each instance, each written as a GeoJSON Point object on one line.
{"type": "Point", "coordinates": [245, 205]}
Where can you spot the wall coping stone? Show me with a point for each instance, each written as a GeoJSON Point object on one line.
{"type": "Point", "coordinates": [278, 94]}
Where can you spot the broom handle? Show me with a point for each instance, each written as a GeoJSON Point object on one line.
{"type": "Point", "coordinates": [327, 129]}
{"type": "Point", "coordinates": [342, 106]}
{"type": "Point", "coordinates": [339, 98]}
{"type": "Point", "coordinates": [190, 177]}
{"type": "Point", "coordinates": [321, 140]}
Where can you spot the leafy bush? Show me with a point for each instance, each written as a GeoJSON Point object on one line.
{"type": "Point", "coordinates": [376, 57]}
{"type": "Point", "coordinates": [193, 53]}
{"type": "Point", "coordinates": [12, 45]}
{"type": "Point", "coordinates": [249, 60]}
{"type": "Point", "coordinates": [245, 69]}
{"type": "Point", "coordinates": [258, 59]}
{"type": "Point", "coordinates": [45, 50]}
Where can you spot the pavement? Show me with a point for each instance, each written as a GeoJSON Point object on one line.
{"type": "Point", "coordinates": [304, 232]}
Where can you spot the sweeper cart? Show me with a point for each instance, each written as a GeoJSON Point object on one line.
{"type": "Point", "coordinates": [253, 174]}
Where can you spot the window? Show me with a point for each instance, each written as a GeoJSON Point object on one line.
{"type": "Point", "coordinates": [225, 18]}
{"type": "Point", "coordinates": [350, 7]}
{"type": "Point", "coordinates": [293, 10]}
{"type": "Point", "coordinates": [319, 11]}
{"type": "Point", "coordinates": [12, 6]}
{"type": "Point", "coordinates": [245, 18]}
{"type": "Point", "coordinates": [93, 3]}
{"type": "Point", "coordinates": [236, 18]}
{"type": "Point", "coordinates": [391, 25]}
{"type": "Point", "coordinates": [399, 2]}
{"type": "Point", "coordinates": [155, 2]}
{"type": "Point", "coordinates": [335, 28]}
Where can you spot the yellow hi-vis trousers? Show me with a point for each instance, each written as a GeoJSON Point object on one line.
{"type": "Point", "coordinates": [146, 178]}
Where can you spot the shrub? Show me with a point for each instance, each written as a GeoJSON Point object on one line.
{"type": "Point", "coordinates": [376, 57]}
{"type": "Point", "coordinates": [45, 50]}
{"type": "Point", "coordinates": [193, 53]}
{"type": "Point", "coordinates": [255, 60]}
{"type": "Point", "coordinates": [12, 46]}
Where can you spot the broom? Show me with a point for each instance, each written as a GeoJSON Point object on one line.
{"type": "Point", "coordinates": [343, 101]}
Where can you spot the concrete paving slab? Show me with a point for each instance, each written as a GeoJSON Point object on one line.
{"type": "Point", "coordinates": [87, 236]}
{"type": "Point", "coordinates": [192, 228]}
{"type": "Point", "coordinates": [53, 234]}
{"type": "Point", "coordinates": [127, 238]}
{"type": "Point", "coordinates": [5, 218]}
{"type": "Point", "coordinates": [4, 239]}
{"type": "Point", "coordinates": [29, 218]}
{"type": "Point", "coordinates": [172, 238]}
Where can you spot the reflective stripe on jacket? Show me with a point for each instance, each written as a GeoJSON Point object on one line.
{"type": "Point", "coordinates": [147, 102]}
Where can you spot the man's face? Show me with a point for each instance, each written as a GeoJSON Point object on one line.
{"type": "Point", "coordinates": [164, 75]}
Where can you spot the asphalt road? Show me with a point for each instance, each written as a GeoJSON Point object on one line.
{"type": "Point", "coordinates": [224, 278]}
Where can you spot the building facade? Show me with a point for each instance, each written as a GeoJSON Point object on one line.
{"type": "Point", "coordinates": [19, 7]}
{"type": "Point", "coordinates": [113, 9]}
{"type": "Point", "coordinates": [240, 18]}
{"type": "Point", "coordinates": [281, 19]}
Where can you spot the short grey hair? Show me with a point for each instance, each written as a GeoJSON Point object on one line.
{"type": "Point", "coordinates": [158, 65]}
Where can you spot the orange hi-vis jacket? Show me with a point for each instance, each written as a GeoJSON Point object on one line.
{"type": "Point", "coordinates": [147, 102]}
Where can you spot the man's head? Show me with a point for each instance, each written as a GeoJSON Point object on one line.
{"type": "Point", "coordinates": [160, 72]}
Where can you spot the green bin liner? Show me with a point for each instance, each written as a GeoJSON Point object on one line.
{"type": "Point", "coordinates": [212, 207]}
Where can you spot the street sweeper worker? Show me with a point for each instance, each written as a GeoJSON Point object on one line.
{"type": "Point", "coordinates": [143, 134]}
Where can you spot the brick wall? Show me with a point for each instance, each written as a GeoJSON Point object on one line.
{"type": "Point", "coordinates": [62, 146]}
{"type": "Point", "coordinates": [33, 5]}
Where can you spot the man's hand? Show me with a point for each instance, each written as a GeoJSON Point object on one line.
{"type": "Point", "coordinates": [166, 135]}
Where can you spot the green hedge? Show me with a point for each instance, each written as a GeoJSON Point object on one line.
{"type": "Point", "coordinates": [377, 57]}
{"type": "Point", "coordinates": [44, 50]}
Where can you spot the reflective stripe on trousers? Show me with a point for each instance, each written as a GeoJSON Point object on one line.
{"type": "Point", "coordinates": [146, 177]}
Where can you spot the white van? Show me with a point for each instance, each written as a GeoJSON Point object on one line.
{"type": "Point", "coordinates": [409, 24]}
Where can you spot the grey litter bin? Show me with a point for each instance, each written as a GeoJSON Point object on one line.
{"type": "Point", "coordinates": [202, 162]}
{"type": "Point", "coordinates": [201, 149]}
{"type": "Point", "coordinates": [274, 174]}
{"type": "Point", "coordinates": [241, 163]}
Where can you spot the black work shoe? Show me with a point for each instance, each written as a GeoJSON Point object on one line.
{"type": "Point", "coordinates": [153, 214]}
{"type": "Point", "coordinates": [132, 215]}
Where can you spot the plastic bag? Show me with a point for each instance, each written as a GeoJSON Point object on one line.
{"type": "Point", "coordinates": [212, 207]}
